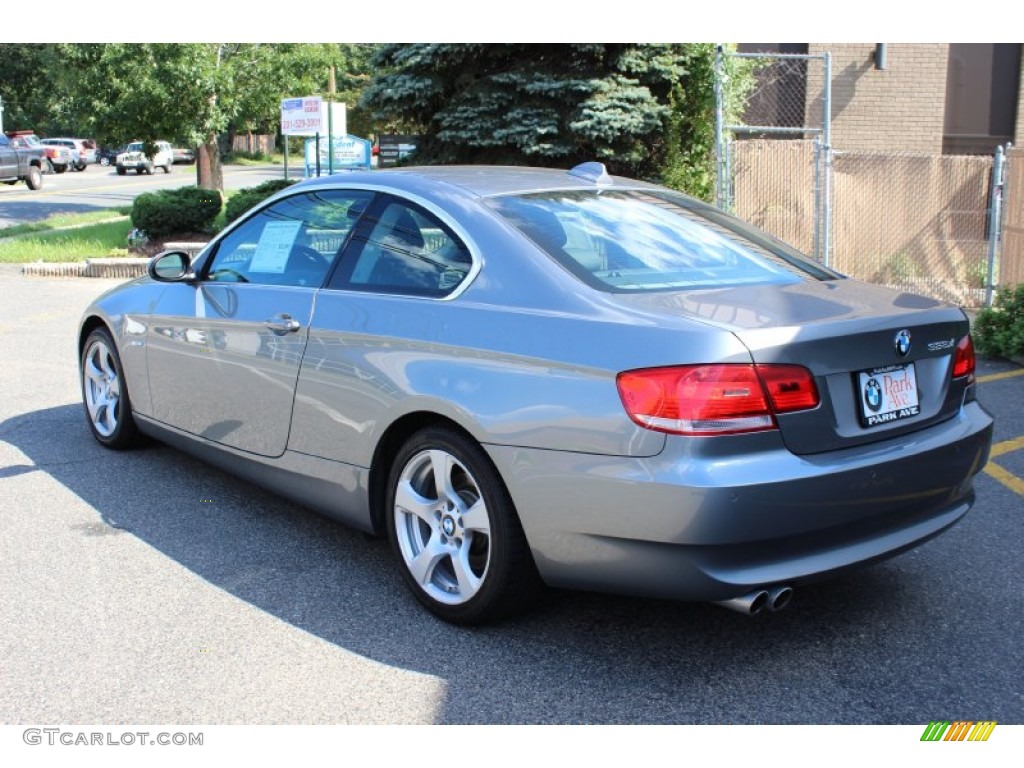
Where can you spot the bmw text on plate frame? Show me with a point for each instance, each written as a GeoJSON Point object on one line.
{"type": "Point", "coordinates": [526, 377]}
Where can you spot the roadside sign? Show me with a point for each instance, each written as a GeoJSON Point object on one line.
{"type": "Point", "coordinates": [302, 116]}
{"type": "Point", "coordinates": [350, 152]}
{"type": "Point", "coordinates": [394, 148]}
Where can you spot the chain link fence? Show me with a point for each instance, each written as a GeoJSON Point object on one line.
{"type": "Point", "coordinates": [918, 223]}
{"type": "Point", "coordinates": [927, 224]}
{"type": "Point", "coordinates": [1011, 258]}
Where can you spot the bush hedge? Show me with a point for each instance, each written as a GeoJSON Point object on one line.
{"type": "Point", "coordinates": [187, 209]}
{"type": "Point", "coordinates": [249, 197]}
{"type": "Point", "coordinates": [999, 330]}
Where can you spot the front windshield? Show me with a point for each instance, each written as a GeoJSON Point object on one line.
{"type": "Point", "coordinates": [640, 240]}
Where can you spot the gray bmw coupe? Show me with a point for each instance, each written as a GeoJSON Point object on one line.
{"type": "Point", "coordinates": [526, 377]}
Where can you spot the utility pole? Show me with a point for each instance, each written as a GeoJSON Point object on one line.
{"type": "Point", "coordinates": [330, 122]}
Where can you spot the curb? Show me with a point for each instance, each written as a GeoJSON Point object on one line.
{"type": "Point", "coordinates": [124, 268]}
{"type": "Point", "coordinates": [120, 267]}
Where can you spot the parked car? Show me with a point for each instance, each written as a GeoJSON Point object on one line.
{"type": "Point", "coordinates": [183, 155]}
{"type": "Point", "coordinates": [79, 152]}
{"type": "Point", "coordinates": [525, 376]}
{"type": "Point", "coordinates": [106, 156]}
{"type": "Point", "coordinates": [21, 163]}
{"type": "Point", "coordinates": [58, 158]}
{"type": "Point", "coordinates": [134, 157]}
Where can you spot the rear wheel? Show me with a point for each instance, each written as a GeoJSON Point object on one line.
{"type": "Point", "coordinates": [121, 170]}
{"type": "Point", "coordinates": [105, 393]}
{"type": "Point", "coordinates": [59, 168]}
{"type": "Point", "coordinates": [104, 161]}
{"type": "Point", "coordinates": [455, 532]}
{"type": "Point", "coordinates": [34, 178]}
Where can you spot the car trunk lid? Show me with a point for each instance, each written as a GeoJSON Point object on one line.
{"type": "Point", "coordinates": [882, 360]}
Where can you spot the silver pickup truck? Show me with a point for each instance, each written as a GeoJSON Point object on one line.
{"type": "Point", "coordinates": [21, 164]}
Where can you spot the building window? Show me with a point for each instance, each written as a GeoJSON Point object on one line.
{"type": "Point", "coordinates": [982, 82]}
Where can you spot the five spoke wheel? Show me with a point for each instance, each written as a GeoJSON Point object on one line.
{"type": "Point", "coordinates": [104, 393]}
{"type": "Point", "coordinates": [455, 531]}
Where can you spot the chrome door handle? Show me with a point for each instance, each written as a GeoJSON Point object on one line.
{"type": "Point", "coordinates": [282, 324]}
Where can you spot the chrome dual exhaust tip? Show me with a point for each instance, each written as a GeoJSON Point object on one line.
{"type": "Point", "coordinates": [752, 603]}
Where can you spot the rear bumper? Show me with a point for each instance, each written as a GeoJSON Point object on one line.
{"type": "Point", "coordinates": [689, 525]}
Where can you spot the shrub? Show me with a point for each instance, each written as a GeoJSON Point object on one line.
{"type": "Point", "coordinates": [249, 197]}
{"type": "Point", "coordinates": [188, 209]}
{"type": "Point", "coordinates": [999, 330]}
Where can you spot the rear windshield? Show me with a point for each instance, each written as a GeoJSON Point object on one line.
{"type": "Point", "coordinates": [639, 240]}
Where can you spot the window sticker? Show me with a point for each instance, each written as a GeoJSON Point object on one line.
{"type": "Point", "coordinates": [275, 246]}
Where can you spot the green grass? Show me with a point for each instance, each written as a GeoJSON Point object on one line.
{"type": "Point", "coordinates": [241, 158]}
{"type": "Point", "coordinates": [61, 220]}
{"type": "Point", "coordinates": [89, 242]}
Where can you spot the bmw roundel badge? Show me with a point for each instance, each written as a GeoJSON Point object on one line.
{"type": "Point", "coordinates": [902, 344]}
{"type": "Point", "coordinates": [873, 394]}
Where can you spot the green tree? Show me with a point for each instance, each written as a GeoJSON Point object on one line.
{"type": "Point", "coordinates": [26, 86]}
{"type": "Point", "coordinates": [641, 109]}
{"type": "Point", "coordinates": [191, 92]}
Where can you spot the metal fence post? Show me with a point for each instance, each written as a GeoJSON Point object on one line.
{"type": "Point", "coordinates": [719, 129]}
{"type": "Point", "coordinates": [818, 160]}
{"type": "Point", "coordinates": [995, 226]}
{"type": "Point", "coordinates": [730, 178]}
{"type": "Point", "coordinates": [826, 239]}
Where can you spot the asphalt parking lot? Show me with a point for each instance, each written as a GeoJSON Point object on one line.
{"type": "Point", "coordinates": [145, 587]}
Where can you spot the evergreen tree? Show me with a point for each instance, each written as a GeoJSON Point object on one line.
{"type": "Point", "coordinates": [630, 106]}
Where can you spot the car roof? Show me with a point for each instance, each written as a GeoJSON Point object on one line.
{"type": "Point", "coordinates": [488, 180]}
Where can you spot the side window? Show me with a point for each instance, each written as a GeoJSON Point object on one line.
{"type": "Point", "coordinates": [292, 242]}
{"type": "Point", "coordinates": [402, 248]}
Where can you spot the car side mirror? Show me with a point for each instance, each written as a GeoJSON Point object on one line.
{"type": "Point", "coordinates": [171, 267]}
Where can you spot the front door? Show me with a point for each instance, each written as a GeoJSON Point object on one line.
{"type": "Point", "coordinates": [224, 353]}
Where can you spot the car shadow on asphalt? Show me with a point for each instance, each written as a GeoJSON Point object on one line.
{"type": "Point", "coordinates": [577, 658]}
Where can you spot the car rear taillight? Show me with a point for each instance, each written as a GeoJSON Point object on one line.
{"type": "Point", "coordinates": [963, 361]}
{"type": "Point", "coordinates": [715, 399]}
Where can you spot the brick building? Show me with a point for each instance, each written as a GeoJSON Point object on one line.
{"type": "Point", "coordinates": [948, 98]}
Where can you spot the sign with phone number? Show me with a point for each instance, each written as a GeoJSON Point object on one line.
{"type": "Point", "coordinates": [302, 116]}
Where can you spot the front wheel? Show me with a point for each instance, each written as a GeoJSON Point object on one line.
{"type": "Point", "coordinates": [459, 543]}
{"type": "Point", "coordinates": [121, 170]}
{"type": "Point", "coordinates": [104, 161]}
{"type": "Point", "coordinates": [34, 178]}
{"type": "Point", "coordinates": [108, 408]}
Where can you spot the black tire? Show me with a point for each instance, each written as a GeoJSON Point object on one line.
{"type": "Point", "coordinates": [481, 568]}
{"type": "Point", "coordinates": [34, 178]}
{"type": "Point", "coordinates": [108, 408]}
{"type": "Point", "coordinates": [80, 167]}
{"type": "Point", "coordinates": [59, 168]}
{"type": "Point", "coordinates": [121, 170]}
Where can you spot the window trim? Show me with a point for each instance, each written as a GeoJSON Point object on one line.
{"type": "Point", "coordinates": [206, 256]}
{"type": "Point", "coordinates": [362, 231]}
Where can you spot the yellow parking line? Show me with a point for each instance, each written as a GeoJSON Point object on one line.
{"type": "Point", "coordinates": [1008, 479]}
{"type": "Point", "coordinates": [1007, 446]}
{"type": "Point", "coordinates": [998, 376]}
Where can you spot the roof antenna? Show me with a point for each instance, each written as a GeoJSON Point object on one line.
{"type": "Point", "coordinates": [595, 173]}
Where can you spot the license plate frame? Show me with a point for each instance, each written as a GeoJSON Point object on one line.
{"type": "Point", "coordinates": [887, 394]}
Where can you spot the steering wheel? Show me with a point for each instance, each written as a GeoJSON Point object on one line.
{"type": "Point", "coordinates": [240, 278]}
